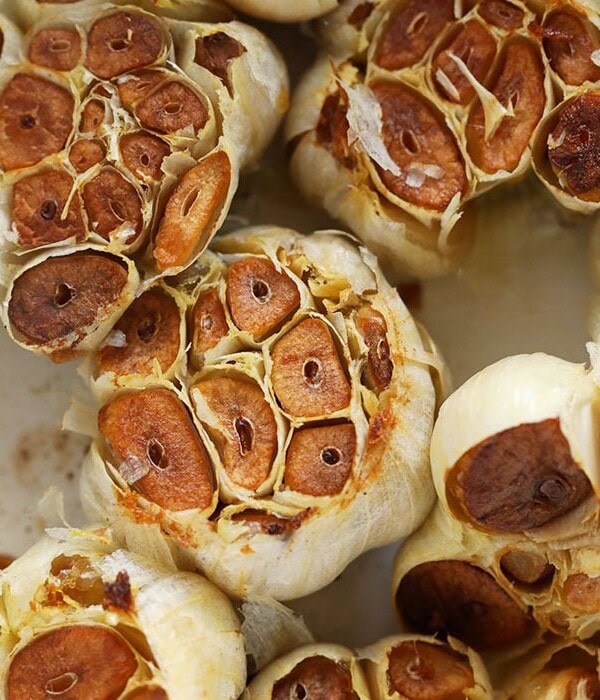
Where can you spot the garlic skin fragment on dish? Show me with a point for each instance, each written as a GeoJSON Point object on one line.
{"type": "Point", "coordinates": [127, 130]}
{"type": "Point", "coordinates": [526, 420]}
{"type": "Point", "coordinates": [283, 421]}
{"type": "Point", "coordinates": [92, 620]}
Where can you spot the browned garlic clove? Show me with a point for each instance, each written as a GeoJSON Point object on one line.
{"type": "Point", "coordinates": [57, 48]}
{"type": "Point", "coordinates": [569, 42]}
{"type": "Point", "coordinates": [81, 660]}
{"type": "Point", "coordinates": [501, 14]}
{"type": "Point", "coordinates": [143, 154]}
{"type": "Point", "coordinates": [457, 598]}
{"type": "Point", "coordinates": [316, 677]}
{"type": "Point", "coordinates": [259, 297]}
{"type": "Point", "coordinates": [172, 107]}
{"type": "Point", "coordinates": [244, 431]}
{"type": "Point", "coordinates": [582, 592]}
{"type": "Point", "coordinates": [151, 333]}
{"type": "Point", "coordinates": [36, 118]}
{"type": "Point", "coordinates": [307, 374]}
{"type": "Point", "coordinates": [209, 324]}
{"type": "Point", "coordinates": [92, 117]}
{"type": "Point", "coordinates": [152, 432]}
{"type": "Point", "coordinates": [138, 85]}
{"type": "Point", "coordinates": [85, 153]}
{"type": "Point", "coordinates": [373, 328]}
{"type": "Point", "coordinates": [319, 460]}
{"type": "Point", "coordinates": [215, 53]}
{"type": "Point", "coordinates": [524, 568]}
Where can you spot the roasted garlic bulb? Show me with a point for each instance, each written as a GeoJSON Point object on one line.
{"type": "Point", "coordinates": [81, 618]}
{"type": "Point", "coordinates": [405, 667]}
{"type": "Point", "coordinates": [415, 108]}
{"type": "Point", "coordinates": [512, 551]}
{"type": "Point", "coordinates": [122, 137]}
{"type": "Point", "coordinates": [270, 409]}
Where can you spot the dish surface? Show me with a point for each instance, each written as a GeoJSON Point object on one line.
{"type": "Point", "coordinates": [525, 288]}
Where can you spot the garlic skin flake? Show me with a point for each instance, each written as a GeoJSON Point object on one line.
{"type": "Point", "coordinates": [83, 582]}
{"type": "Point", "coordinates": [288, 416]}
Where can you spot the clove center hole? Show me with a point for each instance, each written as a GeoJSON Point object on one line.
{"type": "Point", "coordinates": [331, 456]}
{"type": "Point", "coordinates": [173, 108]}
{"type": "Point", "coordinates": [145, 160]}
{"type": "Point", "coordinates": [60, 45]}
{"type": "Point", "coordinates": [118, 44]}
{"type": "Point", "coordinates": [63, 295]}
{"type": "Point", "coordinates": [48, 209]}
{"type": "Point", "coordinates": [261, 291]}
{"type": "Point", "coordinates": [117, 209]}
{"type": "Point", "coordinates": [245, 433]}
{"type": "Point", "coordinates": [206, 322]}
{"type": "Point", "coordinates": [148, 327]}
{"type": "Point", "coordinates": [552, 490]}
{"type": "Point", "coordinates": [409, 142]}
{"type": "Point", "coordinates": [312, 372]}
{"type": "Point", "coordinates": [418, 24]}
{"type": "Point", "coordinates": [383, 349]}
{"type": "Point", "coordinates": [156, 454]}
{"type": "Point", "coordinates": [61, 684]}
{"type": "Point", "coordinates": [27, 121]}
{"type": "Point", "coordinates": [299, 692]}
{"type": "Point", "coordinates": [473, 609]}
{"type": "Point", "coordinates": [189, 201]}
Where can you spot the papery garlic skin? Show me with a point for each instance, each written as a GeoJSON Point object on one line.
{"type": "Point", "coordinates": [207, 661]}
{"type": "Point", "coordinates": [262, 687]}
{"type": "Point", "coordinates": [525, 389]}
{"type": "Point", "coordinates": [10, 40]}
{"type": "Point", "coordinates": [282, 11]}
{"type": "Point", "coordinates": [371, 482]}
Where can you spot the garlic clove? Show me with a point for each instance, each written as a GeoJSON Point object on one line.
{"type": "Point", "coordinates": [523, 568]}
{"type": "Point", "coordinates": [569, 683]}
{"type": "Point", "coordinates": [172, 107]}
{"type": "Point", "coordinates": [307, 374]}
{"type": "Point", "coordinates": [259, 297]}
{"type": "Point", "coordinates": [43, 210]}
{"type": "Point", "coordinates": [82, 660]}
{"type": "Point", "coordinates": [455, 597]}
{"type": "Point", "coordinates": [152, 430]}
{"type": "Point", "coordinates": [569, 42]}
{"type": "Point", "coordinates": [373, 328]}
{"type": "Point", "coordinates": [317, 677]}
{"type": "Point", "coordinates": [143, 155]}
{"type": "Point", "coordinates": [582, 592]}
{"type": "Point", "coordinates": [36, 119]}
{"type": "Point", "coordinates": [432, 171]}
{"type": "Point", "coordinates": [215, 52]}
{"type": "Point", "coordinates": [57, 48]}
{"type": "Point", "coordinates": [501, 14]}
{"type": "Point", "coordinates": [319, 460]}
{"type": "Point", "coordinates": [85, 153]}
{"type": "Point", "coordinates": [521, 63]}
{"type": "Point", "coordinates": [151, 329]}
{"type": "Point", "coordinates": [209, 324]}
{"type": "Point", "coordinates": [122, 41]}
{"type": "Point", "coordinates": [242, 425]}
{"type": "Point", "coordinates": [193, 207]}
{"type": "Point", "coordinates": [410, 32]}
{"type": "Point", "coordinates": [93, 117]}
{"type": "Point", "coordinates": [137, 85]}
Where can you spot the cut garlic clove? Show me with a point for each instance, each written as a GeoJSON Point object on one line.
{"type": "Point", "coordinates": [143, 155]}
{"type": "Point", "coordinates": [501, 14]}
{"type": "Point", "coordinates": [36, 119]}
{"type": "Point", "coordinates": [56, 306]}
{"type": "Point", "coordinates": [172, 107]}
{"type": "Point", "coordinates": [57, 48]}
{"type": "Point", "coordinates": [259, 297]}
{"type": "Point", "coordinates": [307, 374]}
{"type": "Point", "coordinates": [209, 324]}
{"type": "Point", "coordinates": [151, 433]}
{"type": "Point", "coordinates": [242, 425]}
{"type": "Point", "coordinates": [380, 367]}
{"type": "Point", "coordinates": [85, 153]}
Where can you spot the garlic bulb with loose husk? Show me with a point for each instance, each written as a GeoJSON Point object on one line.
{"type": "Point", "coordinates": [269, 410]}
{"type": "Point", "coordinates": [125, 132]}
{"type": "Point", "coordinates": [416, 108]}
{"type": "Point", "coordinates": [81, 618]}
{"type": "Point", "coordinates": [511, 554]}
{"type": "Point", "coordinates": [404, 667]}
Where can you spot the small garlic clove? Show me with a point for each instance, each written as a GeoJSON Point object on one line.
{"type": "Point", "coordinates": [60, 297]}
{"type": "Point", "coordinates": [410, 32]}
{"type": "Point", "coordinates": [307, 374]}
{"type": "Point", "coordinates": [85, 153]}
{"type": "Point", "coordinates": [209, 324]}
{"type": "Point", "coordinates": [122, 41]}
{"type": "Point", "coordinates": [380, 367]}
{"type": "Point", "coordinates": [523, 568]}
{"type": "Point", "coordinates": [193, 207]}
{"type": "Point", "coordinates": [36, 118]}
{"type": "Point", "coordinates": [582, 592]}
{"type": "Point", "coordinates": [143, 154]}
{"type": "Point", "coordinates": [423, 671]}
{"type": "Point", "coordinates": [244, 427]}
{"type": "Point", "coordinates": [573, 150]}
{"type": "Point", "coordinates": [518, 85]}
{"type": "Point", "coordinates": [319, 460]}
{"type": "Point", "coordinates": [519, 479]}
{"type": "Point", "coordinates": [154, 428]}
{"type": "Point", "coordinates": [457, 598]}
{"type": "Point", "coordinates": [38, 209]}
{"type": "Point", "coordinates": [416, 135]}
{"type": "Point", "coordinates": [316, 677]}
{"type": "Point", "coordinates": [92, 117]}
{"type": "Point", "coordinates": [112, 203]}
{"type": "Point", "coordinates": [569, 42]}
{"type": "Point", "coordinates": [501, 14]}
{"type": "Point", "coordinates": [151, 326]}
{"type": "Point", "coordinates": [57, 48]}
{"type": "Point", "coordinates": [259, 297]}
{"type": "Point", "coordinates": [78, 660]}
{"type": "Point", "coordinates": [476, 47]}
{"type": "Point", "coordinates": [171, 107]}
